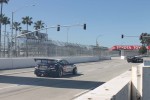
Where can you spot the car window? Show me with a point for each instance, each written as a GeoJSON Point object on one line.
{"type": "Point", "coordinates": [44, 61]}
{"type": "Point", "coordinates": [40, 60]}
{"type": "Point", "coordinates": [64, 62]}
{"type": "Point", "coordinates": [52, 61]}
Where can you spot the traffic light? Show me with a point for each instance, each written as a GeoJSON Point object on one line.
{"type": "Point", "coordinates": [84, 26]}
{"type": "Point", "coordinates": [58, 27]}
{"type": "Point", "coordinates": [122, 36]}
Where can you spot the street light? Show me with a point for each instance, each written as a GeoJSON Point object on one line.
{"type": "Point", "coordinates": [15, 12]}
{"type": "Point", "coordinates": [12, 20]}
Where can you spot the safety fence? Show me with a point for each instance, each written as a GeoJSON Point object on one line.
{"type": "Point", "coordinates": [24, 47]}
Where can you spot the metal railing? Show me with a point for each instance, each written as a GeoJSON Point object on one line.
{"type": "Point", "coordinates": [23, 47]}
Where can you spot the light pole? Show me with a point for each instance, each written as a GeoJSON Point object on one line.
{"type": "Point", "coordinates": [68, 28]}
{"type": "Point", "coordinates": [8, 42]}
{"type": "Point", "coordinates": [97, 40]}
{"type": "Point", "coordinates": [97, 45]}
{"type": "Point", "coordinates": [12, 19]}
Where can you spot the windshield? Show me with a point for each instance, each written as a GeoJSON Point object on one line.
{"type": "Point", "coordinates": [52, 61]}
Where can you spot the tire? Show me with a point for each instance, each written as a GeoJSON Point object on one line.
{"type": "Point", "coordinates": [59, 72]}
{"type": "Point", "coordinates": [75, 71]}
{"type": "Point", "coordinates": [38, 75]}
{"type": "Point", "coordinates": [36, 72]}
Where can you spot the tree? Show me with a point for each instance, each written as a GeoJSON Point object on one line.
{"type": "Point", "coordinates": [143, 50]}
{"type": "Point", "coordinates": [27, 20]}
{"type": "Point", "coordinates": [38, 25]}
{"type": "Point", "coordinates": [5, 21]}
{"type": "Point", "coordinates": [2, 2]}
{"type": "Point", "coordinates": [145, 39]}
{"type": "Point", "coordinates": [16, 26]}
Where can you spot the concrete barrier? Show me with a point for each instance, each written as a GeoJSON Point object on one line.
{"type": "Point", "coordinates": [118, 88]}
{"type": "Point", "coordinates": [10, 63]}
{"type": "Point", "coordinates": [79, 59]}
{"type": "Point", "coordinates": [136, 82]}
{"type": "Point", "coordinates": [141, 81]}
{"type": "Point", "coordinates": [135, 86]}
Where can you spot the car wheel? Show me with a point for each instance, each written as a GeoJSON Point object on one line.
{"type": "Point", "coordinates": [75, 71]}
{"type": "Point", "coordinates": [38, 75]}
{"type": "Point", "coordinates": [59, 72]}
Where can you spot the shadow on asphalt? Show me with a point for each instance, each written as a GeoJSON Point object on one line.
{"type": "Point", "coordinates": [50, 82]}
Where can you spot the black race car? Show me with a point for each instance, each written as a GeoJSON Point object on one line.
{"type": "Point", "coordinates": [135, 59]}
{"type": "Point", "coordinates": [56, 67]}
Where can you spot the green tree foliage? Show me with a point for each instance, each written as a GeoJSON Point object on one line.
{"type": "Point", "coordinates": [16, 26]}
{"type": "Point", "coordinates": [143, 50]}
{"type": "Point", "coordinates": [2, 2]}
{"type": "Point", "coordinates": [27, 20]}
{"type": "Point", "coordinates": [5, 21]}
{"type": "Point", "coordinates": [145, 39]}
{"type": "Point", "coordinates": [38, 25]}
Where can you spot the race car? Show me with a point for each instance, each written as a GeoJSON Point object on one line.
{"type": "Point", "coordinates": [55, 67]}
{"type": "Point", "coordinates": [135, 59]}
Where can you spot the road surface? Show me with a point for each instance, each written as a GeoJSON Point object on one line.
{"type": "Point", "coordinates": [22, 84]}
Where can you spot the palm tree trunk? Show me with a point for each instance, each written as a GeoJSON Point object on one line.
{"type": "Point", "coordinates": [16, 44]}
{"type": "Point", "coordinates": [4, 41]}
{"type": "Point", "coordinates": [1, 28]}
{"type": "Point", "coordinates": [27, 27]}
{"type": "Point", "coordinates": [27, 43]}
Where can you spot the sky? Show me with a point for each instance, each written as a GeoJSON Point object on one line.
{"type": "Point", "coordinates": [106, 20]}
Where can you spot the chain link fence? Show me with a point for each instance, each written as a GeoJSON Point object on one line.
{"type": "Point", "coordinates": [24, 47]}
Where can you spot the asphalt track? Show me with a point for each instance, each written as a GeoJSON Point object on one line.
{"type": "Point", "coordinates": [22, 84]}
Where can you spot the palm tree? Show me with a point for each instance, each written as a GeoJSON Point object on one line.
{"type": "Point", "coordinates": [27, 20]}
{"type": "Point", "coordinates": [1, 18]}
{"type": "Point", "coordinates": [38, 25]}
{"type": "Point", "coordinates": [16, 26]}
{"type": "Point", "coordinates": [5, 21]}
{"type": "Point", "coordinates": [2, 2]}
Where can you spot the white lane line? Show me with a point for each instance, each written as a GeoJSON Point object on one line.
{"type": "Point", "coordinates": [10, 86]}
